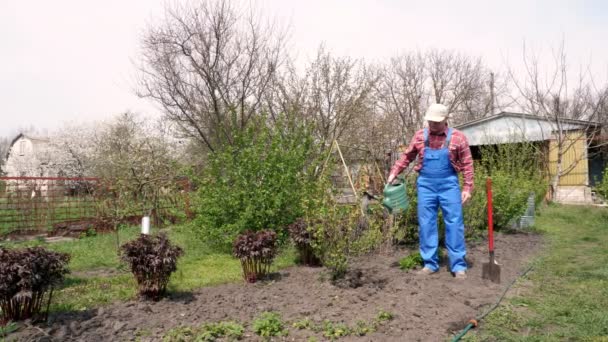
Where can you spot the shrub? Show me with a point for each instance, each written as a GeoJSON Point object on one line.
{"type": "Point", "coordinates": [255, 183]}
{"type": "Point", "coordinates": [152, 259]}
{"type": "Point", "coordinates": [256, 250]}
{"type": "Point", "coordinates": [332, 230]}
{"type": "Point", "coordinates": [337, 231]}
{"type": "Point", "coordinates": [269, 324]}
{"type": "Point", "coordinates": [26, 277]}
{"type": "Point", "coordinates": [298, 231]}
{"type": "Point", "coordinates": [516, 171]}
{"type": "Point", "coordinates": [602, 188]}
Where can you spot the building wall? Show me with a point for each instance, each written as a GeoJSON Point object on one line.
{"type": "Point", "coordinates": [27, 157]}
{"type": "Point", "coordinates": [575, 156]}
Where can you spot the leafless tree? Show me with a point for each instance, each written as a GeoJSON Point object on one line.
{"type": "Point", "coordinates": [410, 82]}
{"type": "Point", "coordinates": [402, 92]}
{"type": "Point", "coordinates": [462, 83]}
{"type": "Point", "coordinates": [338, 95]}
{"type": "Point", "coordinates": [287, 93]}
{"type": "Point", "coordinates": [561, 95]}
{"type": "Point", "coordinates": [208, 66]}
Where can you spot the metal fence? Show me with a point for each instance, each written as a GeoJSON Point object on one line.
{"type": "Point", "coordinates": [34, 205]}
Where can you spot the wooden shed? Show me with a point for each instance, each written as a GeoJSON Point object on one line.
{"type": "Point", "coordinates": [580, 158]}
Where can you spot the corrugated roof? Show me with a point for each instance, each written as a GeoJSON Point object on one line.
{"type": "Point", "coordinates": [509, 127]}
{"type": "Point", "coordinates": [526, 116]}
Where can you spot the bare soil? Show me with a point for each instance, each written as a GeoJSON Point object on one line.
{"type": "Point", "coordinates": [425, 308]}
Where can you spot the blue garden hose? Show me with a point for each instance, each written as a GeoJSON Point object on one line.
{"type": "Point", "coordinates": [473, 323]}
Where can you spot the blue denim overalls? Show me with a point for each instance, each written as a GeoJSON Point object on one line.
{"type": "Point", "coordinates": [438, 186]}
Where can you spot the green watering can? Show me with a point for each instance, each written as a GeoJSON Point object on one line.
{"type": "Point", "coordinates": [395, 198]}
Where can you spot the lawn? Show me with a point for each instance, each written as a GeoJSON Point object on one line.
{"type": "Point", "coordinates": [98, 277]}
{"type": "Point", "coordinates": [565, 297]}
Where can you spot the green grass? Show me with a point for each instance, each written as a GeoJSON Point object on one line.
{"type": "Point", "coordinates": [565, 297]}
{"type": "Point", "coordinates": [98, 277]}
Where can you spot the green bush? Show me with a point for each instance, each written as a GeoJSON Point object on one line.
{"type": "Point", "coordinates": [340, 232]}
{"type": "Point", "coordinates": [255, 183]}
{"type": "Point", "coordinates": [516, 171]}
{"type": "Point", "coordinates": [602, 188]}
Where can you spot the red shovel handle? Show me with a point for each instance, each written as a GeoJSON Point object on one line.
{"type": "Point", "coordinates": [490, 221]}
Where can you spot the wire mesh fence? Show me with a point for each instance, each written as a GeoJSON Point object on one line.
{"type": "Point", "coordinates": [35, 205]}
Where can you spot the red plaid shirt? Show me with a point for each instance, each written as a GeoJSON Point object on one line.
{"type": "Point", "coordinates": [460, 154]}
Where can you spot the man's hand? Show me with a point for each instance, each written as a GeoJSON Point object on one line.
{"type": "Point", "coordinates": [465, 196]}
{"type": "Point", "coordinates": [390, 179]}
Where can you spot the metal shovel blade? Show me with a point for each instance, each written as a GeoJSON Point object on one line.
{"type": "Point", "coordinates": [491, 270]}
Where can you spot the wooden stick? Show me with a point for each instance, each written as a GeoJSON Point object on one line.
{"type": "Point", "coordinates": [350, 180]}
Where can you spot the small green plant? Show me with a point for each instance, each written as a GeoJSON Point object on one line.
{"type": "Point", "coordinates": [384, 316]}
{"type": "Point", "coordinates": [305, 323]}
{"type": "Point", "coordinates": [142, 333]}
{"type": "Point", "coordinates": [411, 261]}
{"type": "Point", "coordinates": [180, 334]}
{"type": "Point", "coordinates": [256, 251]}
{"type": "Point", "coordinates": [88, 233]}
{"type": "Point", "coordinates": [152, 259]}
{"type": "Point", "coordinates": [8, 328]}
{"type": "Point", "coordinates": [335, 330]}
{"type": "Point", "coordinates": [269, 324]}
{"type": "Point", "coordinates": [207, 332]}
{"type": "Point", "coordinates": [213, 331]}
{"type": "Point", "coordinates": [363, 328]}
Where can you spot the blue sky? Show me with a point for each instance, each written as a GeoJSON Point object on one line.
{"type": "Point", "coordinates": [71, 60]}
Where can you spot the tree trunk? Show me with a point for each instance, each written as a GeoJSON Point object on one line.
{"type": "Point", "coordinates": [557, 176]}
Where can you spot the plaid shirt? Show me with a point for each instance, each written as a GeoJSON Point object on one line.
{"type": "Point", "coordinates": [460, 154]}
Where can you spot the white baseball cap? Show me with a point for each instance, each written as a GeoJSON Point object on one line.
{"type": "Point", "coordinates": [436, 112]}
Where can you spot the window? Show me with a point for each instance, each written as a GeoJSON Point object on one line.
{"type": "Point", "coordinates": [22, 147]}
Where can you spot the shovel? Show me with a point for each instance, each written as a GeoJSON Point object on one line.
{"type": "Point", "coordinates": [490, 270]}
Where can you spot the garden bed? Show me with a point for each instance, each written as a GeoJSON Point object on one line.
{"type": "Point", "coordinates": [424, 308]}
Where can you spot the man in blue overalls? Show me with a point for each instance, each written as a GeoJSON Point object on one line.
{"type": "Point", "coordinates": [442, 152]}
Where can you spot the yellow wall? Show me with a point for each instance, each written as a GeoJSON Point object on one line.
{"type": "Point", "coordinates": [576, 154]}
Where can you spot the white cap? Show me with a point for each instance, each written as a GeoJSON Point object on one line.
{"type": "Point", "coordinates": [436, 112]}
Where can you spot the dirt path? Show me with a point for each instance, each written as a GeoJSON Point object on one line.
{"type": "Point", "coordinates": [425, 308]}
